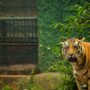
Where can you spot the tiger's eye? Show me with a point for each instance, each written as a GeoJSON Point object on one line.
{"type": "Point", "coordinates": [66, 47]}
{"type": "Point", "coordinates": [75, 46]}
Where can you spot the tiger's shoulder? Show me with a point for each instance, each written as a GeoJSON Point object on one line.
{"type": "Point", "coordinates": [86, 46]}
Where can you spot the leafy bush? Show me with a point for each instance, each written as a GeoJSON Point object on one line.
{"type": "Point", "coordinates": [59, 19]}
{"type": "Point", "coordinates": [6, 87]}
{"type": "Point", "coordinates": [68, 82]}
{"type": "Point", "coordinates": [28, 84]}
{"type": "Point", "coordinates": [77, 24]}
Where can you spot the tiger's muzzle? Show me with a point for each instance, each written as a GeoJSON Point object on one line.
{"type": "Point", "coordinates": [72, 58]}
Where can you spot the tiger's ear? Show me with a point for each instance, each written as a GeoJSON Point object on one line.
{"type": "Point", "coordinates": [82, 38]}
{"type": "Point", "coordinates": [62, 40]}
{"type": "Point", "coordinates": [61, 43]}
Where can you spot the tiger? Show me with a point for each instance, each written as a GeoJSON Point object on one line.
{"type": "Point", "coordinates": [77, 52]}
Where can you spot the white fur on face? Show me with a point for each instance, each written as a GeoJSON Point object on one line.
{"type": "Point", "coordinates": [76, 43]}
{"type": "Point", "coordinates": [65, 44]}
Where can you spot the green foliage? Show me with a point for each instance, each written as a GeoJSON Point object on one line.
{"type": "Point", "coordinates": [28, 84]}
{"type": "Point", "coordinates": [59, 19]}
{"type": "Point", "coordinates": [67, 84]}
{"type": "Point", "coordinates": [67, 81]}
{"type": "Point", "coordinates": [75, 25]}
{"type": "Point", "coordinates": [62, 67]}
{"type": "Point", "coordinates": [6, 87]}
{"type": "Point", "coordinates": [33, 85]}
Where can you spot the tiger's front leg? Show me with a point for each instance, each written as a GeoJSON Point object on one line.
{"type": "Point", "coordinates": [89, 84]}
{"type": "Point", "coordinates": [82, 86]}
{"type": "Point", "coordinates": [78, 85]}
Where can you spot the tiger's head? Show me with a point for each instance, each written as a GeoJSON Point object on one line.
{"type": "Point", "coordinates": [72, 49]}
